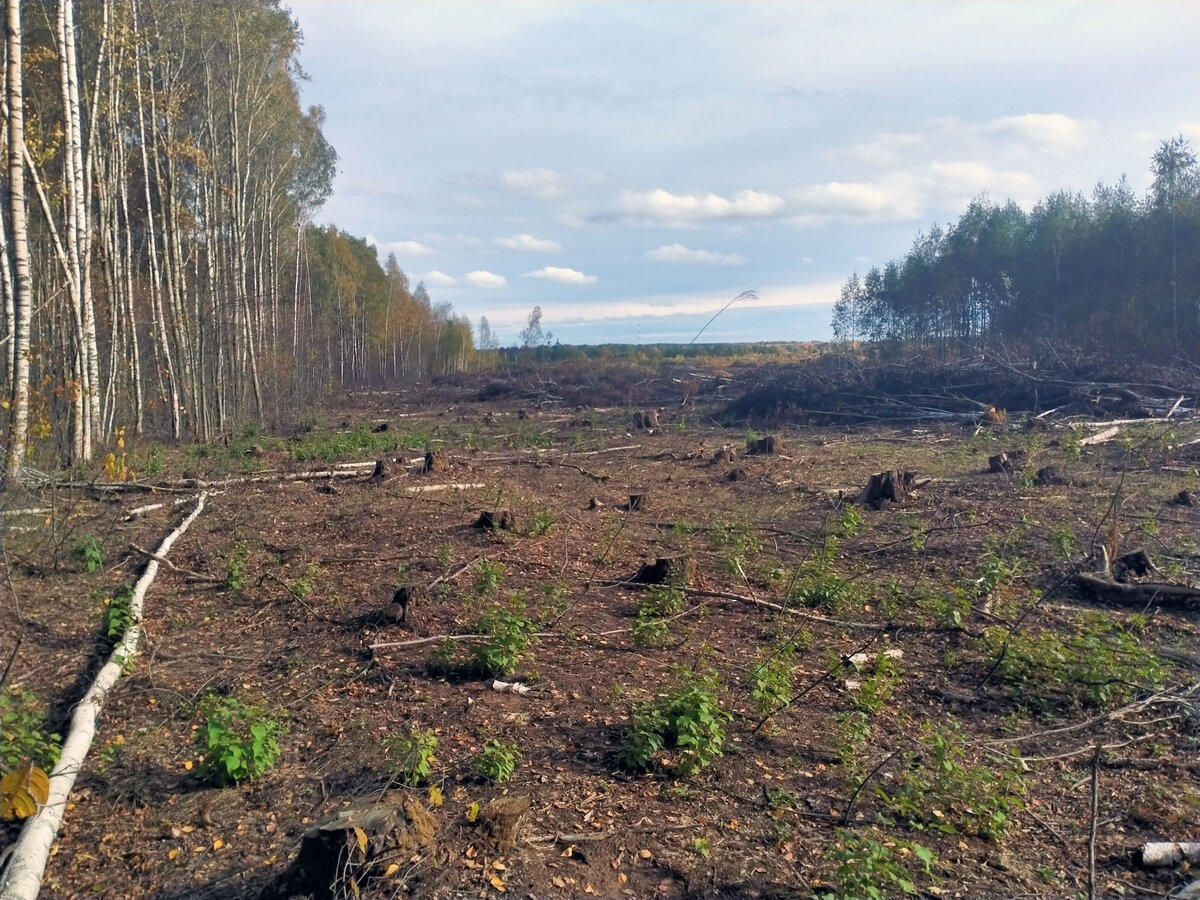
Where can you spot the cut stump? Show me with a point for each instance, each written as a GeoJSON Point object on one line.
{"type": "Point", "coordinates": [341, 854]}
{"type": "Point", "coordinates": [381, 473]}
{"type": "Point", "coordinates": [667, 570]}
{"type": "Point", "coordinates": [503, 519]}
{"type": "Point", "coordinates": [437, 462]}
{"type": "Point", "coordinates": [501, 821]}
{"type": "Point", "coordinates": [767, 446]}
{"type": "Point", "coordinates": [885, 487]}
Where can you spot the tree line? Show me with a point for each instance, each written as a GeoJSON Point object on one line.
{"type": "Point", "coordinates": [159, 264]}
{"type": "Point", "coordinates": [1113, 271]}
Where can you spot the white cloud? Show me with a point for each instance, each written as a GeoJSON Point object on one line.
{"type": "Point", "coordinates": [542, 184]}
{"type": "Point", "coordinates": [1049, 131]}
{"type": "Point", "coordinates": [886, 148]}
{"type": "Point", "coordinates": [438, 279]}
{"type": "Point", "coordinates": [529, 243]}
{"type": "Point", "coordinates": [408, 248]}
{"type": "Point", "coordinates": [563, 276]}
{"type": "Point", "coordinates": [663, 207]}
{"type": "Point", "coordinates": [680, 253]}
{"type": "Point", "coordinates": [482, 279]}
{"type": "Point", "coordinates": [895, 199]}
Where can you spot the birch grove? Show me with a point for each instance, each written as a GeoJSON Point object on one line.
{"type": "Point", "coordinates": [170, 277]}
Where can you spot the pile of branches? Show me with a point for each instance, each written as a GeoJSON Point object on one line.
{"type": "Point", "coordinates": [841, 389]}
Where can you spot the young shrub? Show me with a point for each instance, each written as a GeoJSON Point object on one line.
{"type": "Point", "coordinates": [23, 729]}
{"type": "Point", "coordinates": [497, 761]}
{"type": "Point", "coordinates": [689, 719]}
{"type": "Point", "coordinates": [235, 566]}
{"type": "Point", "coordinates": [240, 742]}
{"type": "Point", "coordinates": [507, 633]}
{"type": "Point", "coordinates": [771, 682]}
{"type": "Point", "coordinates": [411, 755]}
{"type": "Point", "coordinates": [871, 870]}
{"type": "Point", "coordinates": [118, 615]}
{"type": "Point", "coordinates": [88, 552]}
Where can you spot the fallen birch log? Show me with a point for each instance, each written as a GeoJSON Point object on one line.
{"type": "Point", "coordinates": [27, 864]}
{"type": "Point", "coordinates": [1167, 853]}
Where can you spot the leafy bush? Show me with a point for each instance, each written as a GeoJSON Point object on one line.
{"type": "Point", "coordinates": [235, 566]}
{"type": "Point", "coordinates": [488, 575]}
{"type": "Point", "coordinates": [118, 615]}
{"type": "Point", "coordinates": [539, 522]}
{"type": "Point", "coordinates": [332, 446]}
{"type": "Point", "coordinates": [1100, 664]}
{"type": "Point", "coordinates": [497, 761]}
{"type": "Point", "coordinates": [23, 727]}
{"type": "Point", "coordinates": [658, 605]}
{"type": "Point", "coordinates": [936, 788]}
{"type": "Point", "coordinates": [771, 682]}
{"type": "Point", "coordinates": [507, 633]}
{"type": "Point", "coordinates": [872, 870]}
{"type": "Point", "coordinates": [240, 742]}
{"type": "Point", "coordinates": [88, 552]}
{"type": "Point", "coordinates": [411, 755]}
{"type": "Point", "coordinates": [689, 719]}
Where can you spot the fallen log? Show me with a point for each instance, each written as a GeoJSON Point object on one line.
{"type": "Point", "coordinates": [27, 863]}
{"type": "Point", "coordinates": [1170, 596]}
{"type": "Point", "coordinates": [1167, 853]}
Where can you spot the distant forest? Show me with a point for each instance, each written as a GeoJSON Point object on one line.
{"type": "Point", "coordinates": [1114, 272]}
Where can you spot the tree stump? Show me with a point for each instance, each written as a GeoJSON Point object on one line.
{"type": "Point", "coordinates": [667, 570]}
{"type": "Point", "coordinates": [381, 473]}
{"type": "Point", "coordinates": [397, 610]}
{"type": "Point", "coordinates": [1184, 498]}
{"type": "Point", "coordinates": [1134, 564]}
{"type": "Point", "coordinates": [341, 854]}
{"type": "Point", "coordinates": [636, 502]}
{"type": "Point", "coordinates": [381, 428]}
{"type": "Point", "coordinates": [501, 519]}
{"type": "Point", "coordinates": [767, 446]}
{"type": "Point", "coordinates": [501, 820]}
{"type": "Point", "coordinates": [885, 487]}
{"type": "Point", "coordinates": [647, 419]}
{"type": "Point", "coordinates": [1008, 462]}
{"type": "Point", "coordinates": [1048, 475]}
{"type": "Point", "coordinates": [724, 455]}
{"type": "Point", "coordinates": [735, 475]}
{"type": "Point", "coordinates": [437, 462]}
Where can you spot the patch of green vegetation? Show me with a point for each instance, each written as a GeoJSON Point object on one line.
{"type": "Point", "coordinates": [488, 576]}
{"type": "Point", "coordinates": [658, 605]}
{"type": "Point", "coordinates": [23, 726]}
{"type": "Point", "coordinates": [235, 566]}
{"type": "Point", "coordinates": [689, 720]}
{"type": "Point", "coordinates": [332, 446]}
{"type": "Point", "coordinates": [771, 682]}
{"type": "Point", "coordinates": [240, 741]}
{"type": "Point", "coordinates": [411, 755]}
{"type": "Point", "coordinates": [1101, 663]}
{"type": "Point", "coordinates": [497, 761]}
{"type": "Point", "coordinates": [540, 521]}
{"type": "Point", "coordinates": [937, 789]}
{"type": "Point", "coordinates": [88, 552]}
{"type": "Point", "coordinates": [118, 615]}
{"type": "Point", "coordinates": [506, 635]}
{"type": "Point", "coordinates": [868, 869]}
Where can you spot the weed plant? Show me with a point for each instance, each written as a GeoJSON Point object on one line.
{"type": "Point", "coordinates": [506, 635]}
{"type": "Point", "coordinates": [872, 870]}
{"type": "Point", "coordinates": [240, 741]}
{"type": "Point", "coordinates": [497, 761]}
{"type": "Point", "coordinates": [23, 727]}
{"type": "Point", "coordinates": [411, 755]}
{"type": "Point", "coordinates": [689, 720]}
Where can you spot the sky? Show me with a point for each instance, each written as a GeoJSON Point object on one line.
{"type": "Point", "coordinates": [632, 167]}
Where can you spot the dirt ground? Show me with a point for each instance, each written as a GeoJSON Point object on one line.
{"type": "Point", "coordinates": [992, 693]}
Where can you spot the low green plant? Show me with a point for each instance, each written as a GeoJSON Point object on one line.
{"type": "Point", "coordinates": [445, 554]}
{"type": "Point", "coordinates": [155, 464]}
{"type": "Point", "coordinates": [937, 788]}
{"type": "Point", "coordinates": [307, 582]}
{"type": "Point", "coordinates": [488, 575]}
{"type": "Point", "coordinates": [655, 610]}
{"type": "Point", "coordinates": [118, 615]}
{"type": "Point", "coordinates": [335, 445]}
{"type": "Point", "coordinates": [771, 681]}
{"type": "Point", "coordinates": [235, 566]}
{"type": "Point", "coordinates": [851, 520]}
{"type": "Point", "coordinates": [497, 761]}
{"type": "Point", "coordinates": [540, 521]}
{"type": "Point", "coordinates": [701, 847]}
{"type": "Point", "coordinates": [1100, 664]}
{"type": "Point", "coordinates": [506, 635]}
{"type": "Point", "coordinates": [873, 870]}
{"type": "Point", "coordinates": [240, 741]}
{"type": "Point", "coordinates": [1065, 541]}
{"type": "Point", "coordinates": [411, 754]}
{"type": "Point", "coordinates": [23, 726]}
{"type": "Point", "coordinates": [877, 689]}
{"type": "Point", "coordinates": [689, 719]}
{"type": "Point", "coordinates": [88, 552]}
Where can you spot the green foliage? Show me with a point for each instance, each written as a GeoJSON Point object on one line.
{"type": "Point", "coordinates": [507, 633]}
{"type": "Point", "coordinates": [411, 755]}
{"type": "Point", "coordinates": [118, 615]}
{"type": "Point", "coordinates": [155, 464]}
{"type": "Point", "coordinates": [539, 522]}
{"type": "Point", "coordinates": [235, 566]}
{"type": "Point", "coordinates": [851, 520]}
{"type": "Point", "coordinates": [240, 742]}
{"type": "Point", "coordinates": [88, 552]}
{"type": "Point", "coordinates": [824, 590]}
{"type": "Point", "coordinates": [658, 605]}
{"type": "Point", "coordinates": [937, 788]}
{"type": "Point", "coordinates": [738, 541]}
{"type": "Point", "coordinates": [497, 761]}
{"type": "Point", "coordinates": [1100, 664]}
{"type": "Point", "coordinates": [488, 575]}
{"type": "Point", "coordinates": [23, 725]}
{"type": "Point", "coordinates": [873, 870]}
{"type": "Point", "coordinates": [332, 446]}
{"type": "Point", "coordinates": [771, 682]}
{"type": "Point", "coordinates": [445, 554]}
{"type": "Point", "coordinates": [689, 719]}
{"type": "Point", "coordinates": [1065, 541]}
{"type": "Point", "coordinates": [876, 690]}
{"type": "Point", "coordinates": [306, 583]}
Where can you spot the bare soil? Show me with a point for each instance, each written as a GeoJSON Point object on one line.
{"type": "Point", "coordinates": [306, 636]}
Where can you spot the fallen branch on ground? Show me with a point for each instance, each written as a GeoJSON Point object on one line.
{"type": "Point", "coordinates": [27, 864]}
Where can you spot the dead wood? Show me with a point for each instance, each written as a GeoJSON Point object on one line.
{"type": "Point", "coordinates": [500, 822]}
{"type": "Point", "coordinates": [636, 502]}
{"type": "Point", "coordinates": [501, 519]}
{"type": "Point", "coordinates": [381, 473]}
{"type": "Point", "coordinates": [767, 446]}
{"type": "Point", "coordinates": [1167, 853]}
{"type": "Point", "coordinates": [341, 854]}
{"type": "Point", "coordinates": [1007, 462]}
{"type": "Point", "coordinates": [1140, 594]}
{"type": "Point", "coordinates": [437, 462]}
{"type": "Point", "coordinates": [885, 487]}
{"type": "Point", "coordinates": [679, 570]}
{"type": "Point", "coordinates": [191, 576]}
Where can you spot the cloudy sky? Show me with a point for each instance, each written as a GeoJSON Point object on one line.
{"type": "Point", "coordinates": [630, 167]}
